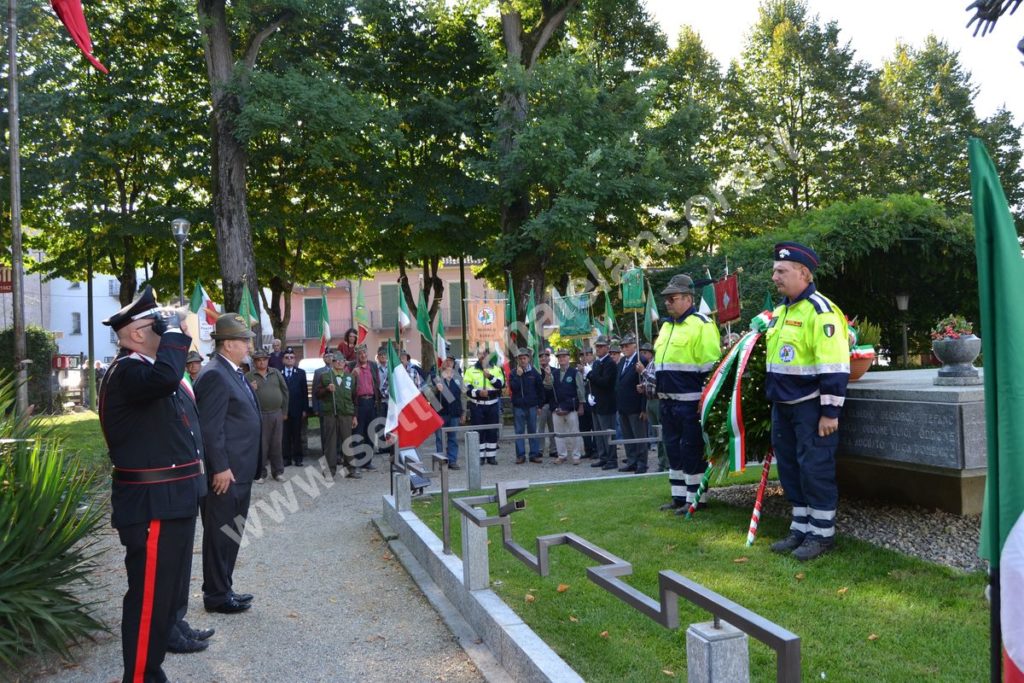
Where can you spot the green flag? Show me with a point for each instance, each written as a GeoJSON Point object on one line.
{"type": "Point", "coordinates": [633, 290]}
{"type": "Point", "coordinates": [609, 314]}
{"type": "Point", "coordinates": [531, 324]}
{"type": "Point", "coordinates": [769, 302]}
{"type": "Point", "coordinates": [423, 319]}
{"type": "Point", "coordinates": [247, 309]}
{"type": "Point", "coordinates": [361, 315]}
{"type": "Point", "coordinates": [572, 315]}
{"type": "Point", "coordinates": [440, 343]}
{"type": "Point", "coordinates": [1000, 282]}
{"type": "Point", "coordinates": [650, 315]}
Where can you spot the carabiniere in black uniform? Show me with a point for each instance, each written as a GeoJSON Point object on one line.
{"type": "Point", "coordinates": [149, 419]}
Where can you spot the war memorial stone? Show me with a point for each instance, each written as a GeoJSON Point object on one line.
{"type": "Point", "coordinates": [907, 440]}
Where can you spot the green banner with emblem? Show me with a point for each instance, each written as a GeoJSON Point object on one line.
{"type": "Point", "coordinates": [572, 314]}
{"type": "Point", "coordinates": [633, 290]}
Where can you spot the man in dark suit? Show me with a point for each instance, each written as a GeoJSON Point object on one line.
{"type": "Point", "coordinates": [631, 404]}
{"type": "Point", "coordinates": [149, 420]}
{"type": "Point", "coordinates": [230, 418]}
{"type": "Point", "coordinates": [602, 378]}
{"type": "Point", "coordinates": [328, 358]}
{"type": "Point", "coordinates": [298, 407]}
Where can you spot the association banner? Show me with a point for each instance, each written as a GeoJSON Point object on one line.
{"type": "Point", "coordinates": [727, 299]}
{"type": "Point", "coordinates": [486, 321]}
{"type": "Point", "coordinates": [633, 290]}
{"type": "Point", "coordinates": [572, 315]}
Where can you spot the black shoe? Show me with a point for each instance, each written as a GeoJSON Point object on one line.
{"type": "Point", "coordinates": [628, 468]}
{"type": "Point", "coordinates": [195, 633]}
{"type": "Point", "coordinates": [788, 544]}
{"type": "Point", "coordinates": [671, 505]}
{"type": "Point", "coordinates": [536, 459]}
{"type": "Point", "coordinates": [229, 606]}
{"type": "Point", "coordinates": [696, 508]}
{"type": "Point", "coordinates": [296, 463]}
{"type": "Point", "coordinates": [639, 471]}
{"type": "Point", "coordinates": [813, 547]}
{"type": "Point", "coordinates": [353, 473]}
{"type": "Point", "coordinates": [370, 467]}
{"type": "Point", "coordinates": [493, 461]}
{"type": "Point", "coordinates": [242, 597]}
{"type": "Point", "coordinates": [287, 463]}
{"type": "Point", "coordinates": [597, 464]}
{"type": "Point", "coordinates": [520, 460]}
{"type": "Point", "coordinates": [453, 466]}
{"type": "Point", "coordinates": [184, 646]}
{"type": "Point", "coordinates": [609, 466]}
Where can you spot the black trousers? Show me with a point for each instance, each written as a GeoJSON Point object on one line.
{"type": "Point", "coordinates": [220, 547]}
{"type": "Point", "coordinates": [291, 442]}
{"type": "Point", "coordinates": [157, 553]}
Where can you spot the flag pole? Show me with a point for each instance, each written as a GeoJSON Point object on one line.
{"type": "Point", "coordinates": [17, 263]}
{"type": "Point", "coordinates": [728, 325]}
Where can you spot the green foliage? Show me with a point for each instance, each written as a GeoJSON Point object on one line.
{"type": "Point", "coordinates": [952, 327]}
{"type": "Point", "coordinates": [870, 249]}
{"type": "Point", "coordinates": [931, 621]}
{"type": "Point", "coordinates": [48, 513]}
{"type": "Point", "coordinates": [757, 412]}
{"type": "Point", "coordinates": [868, 333]}
{"type": "Point", "coordinates": [41, 350]}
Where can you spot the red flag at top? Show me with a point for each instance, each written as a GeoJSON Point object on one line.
{"type": "Point", "coordinates": [71, 15]}
{"type": "Point", "coordinates": [727, 299]}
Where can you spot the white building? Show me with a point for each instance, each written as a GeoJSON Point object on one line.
{"type": "Point", "coordinates": [69, 309]}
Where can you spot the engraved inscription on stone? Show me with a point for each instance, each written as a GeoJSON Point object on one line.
{"type": "Point", "coordinates": [903, 431]}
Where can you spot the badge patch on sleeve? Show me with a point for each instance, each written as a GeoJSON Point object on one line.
{"type": "Point", "coordinates": [829, 329]}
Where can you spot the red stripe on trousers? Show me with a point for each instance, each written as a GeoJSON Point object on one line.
{"type": "Point", "coordinates": [149, 585]}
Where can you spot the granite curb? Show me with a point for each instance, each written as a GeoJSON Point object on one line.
{"type": "Point", "coordinates": [521, 652]}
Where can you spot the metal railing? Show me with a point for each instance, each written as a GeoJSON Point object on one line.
{"type": "Point", "coordinates": [671, 585]}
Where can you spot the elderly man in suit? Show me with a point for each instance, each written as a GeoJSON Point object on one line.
{"type": "Point", "coordinates": [631, 403]}
{"type": "Point", "coordinates": [230, 419]}
{"type": "Point", "coordinates": [603, 379]}
{"type": "Point", "coordinates": [298, 407]}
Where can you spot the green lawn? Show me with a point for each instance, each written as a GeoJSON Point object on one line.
{"type": "Point", "coordinates": [81, 435]}
{"type": "Point", "coordinates": [862, 613]}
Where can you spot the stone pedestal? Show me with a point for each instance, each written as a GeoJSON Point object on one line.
{"type": "Point", "coordinates": [905, 440]}
{"type": "Point", "coordinates": [716, 655]}
{"type": "Point", "coordinates": [476, 571]}
{"type": "Point", "coordinates": [473, 460]}
{"type": "Point", "coordinates": [403, 492]}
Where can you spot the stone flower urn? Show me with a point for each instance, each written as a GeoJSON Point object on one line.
{"type": "Point", "coordinates": [957, 356]}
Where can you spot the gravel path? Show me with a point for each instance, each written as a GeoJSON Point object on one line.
{"type": "Point", "coordinates": [333, 604]}
{"type": "Point", "coordinates": [932, 535]}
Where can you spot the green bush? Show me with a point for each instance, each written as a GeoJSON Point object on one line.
{"type": "Point", "coordinates": [41, 350]}
{"type": "Point", "coordinates": [46, 539]}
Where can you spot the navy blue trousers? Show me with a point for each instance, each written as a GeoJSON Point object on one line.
{"type": "Point", "coordinates": [807, 467]}
{"type": "Point", "coordinates": [684, 445]}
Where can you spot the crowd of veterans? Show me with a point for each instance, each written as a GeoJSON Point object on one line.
{"type": "Point", "coordinates": [188, 439]}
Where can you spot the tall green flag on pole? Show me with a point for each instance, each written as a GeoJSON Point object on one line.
{"type": "Point", "coordinates": [531, 325]}
{"type": "Point", "coordinates": [247, 309]}
{"type": "Point", "coordinates": [1000, 282]}
{"type": "Point", "coordinates": [325, 325]}
{"type": "Point", "coordinates": [361, 315]}
{"type": "Point", "coordinates": [609, 314]}
{"type": "Point", "coordinates": [707, 296]}
{"type": "Point", "coordinates": [769, 302]}
{"type": "Point", "coordinates": [423, 319]}
{"type": "Point", "coordinates": [650, 315]}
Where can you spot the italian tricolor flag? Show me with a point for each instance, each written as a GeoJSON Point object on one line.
{"type": "Point", "coordinates": [410, 416]}
{"type": "Point", "coordinates": [325, 325]}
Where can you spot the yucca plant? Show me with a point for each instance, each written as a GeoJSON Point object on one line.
{"type": "Point", "coordinates": [46, 540]}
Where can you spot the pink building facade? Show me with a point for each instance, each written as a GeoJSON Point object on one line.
{"type": "Point", "coordinates": [381, 294]}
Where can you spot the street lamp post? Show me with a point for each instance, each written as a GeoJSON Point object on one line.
{"type": "Point", "coordinates": [902, 305]}
{"type": "Point", "coordinates": [179, 228]}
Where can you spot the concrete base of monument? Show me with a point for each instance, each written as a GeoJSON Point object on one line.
{"type": "Point", "coordinates": [905, 439]}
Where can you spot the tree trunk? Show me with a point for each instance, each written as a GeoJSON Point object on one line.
{"type": "Point", "coordinates": [230, 157]}
{"type": "Point", "coordinates": [129, 283]}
